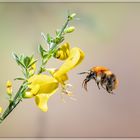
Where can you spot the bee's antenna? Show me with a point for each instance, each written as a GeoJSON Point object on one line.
{"type": "Point", "coordinates": [83, 73]}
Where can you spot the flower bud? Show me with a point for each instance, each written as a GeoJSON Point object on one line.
{"type": "Point", "coordinates": [69, 29]}
{"type": "Point", "coordinates": [71, 17]}
{"type": "Point", "coordinates": [1, 110]}
{"type": "Point", "coordinates": [9, 87]}
{"type": "Point", "coordinates": [63, 52]}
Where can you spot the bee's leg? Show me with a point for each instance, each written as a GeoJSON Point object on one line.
{"type": "Point", "coordinates": [84, 84]}
{"type": "Point", "coordinates": [98, 84]}
{"type": "Point", "coordinates": [107, 89]}
{"type": "Point", "coordinates": [102, 85]}
{"type": "Point", "coordinates": [98, 80]}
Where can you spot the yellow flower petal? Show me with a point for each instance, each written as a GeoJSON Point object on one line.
{"type": "Point", "coordinates": [75, 58]}
{"type": "Point", "coordinates": [42, 84]}
{"type": "Point", "coordinates": [42, 101]}
{"type": "Point", "coordinates": [32, 91]}
{"type": "Point", "coordinates": [62, 78]}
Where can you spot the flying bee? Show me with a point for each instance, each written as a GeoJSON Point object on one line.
{"type": "Point", "coordinates": [102, 76]}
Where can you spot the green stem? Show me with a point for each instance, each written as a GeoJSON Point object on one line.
{"type": "Point", "coordinates": [14, 102]}
{"type": "Point", "coordinates": [63, 28]}
{"type": "Point", "coordinates": [9, 110]}
{"type": "Point", "coordinates": [53, 47]}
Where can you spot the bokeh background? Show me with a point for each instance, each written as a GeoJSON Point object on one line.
{"type": "Point", "coordinates": [109, 34]}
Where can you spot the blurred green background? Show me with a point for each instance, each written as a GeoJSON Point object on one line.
{"type": "Point", "coordinates": [109, 34]}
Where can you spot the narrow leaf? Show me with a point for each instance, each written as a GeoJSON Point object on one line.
{"type": "Point", "coordinates": [27, 61]}
{"type": "Point", "coordinates": [19, 78]}
{"type": "Point", "coordinates": [32, 63]}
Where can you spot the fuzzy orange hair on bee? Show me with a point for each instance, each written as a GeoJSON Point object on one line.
{"type": "Point", "coordinates": [103, 77]}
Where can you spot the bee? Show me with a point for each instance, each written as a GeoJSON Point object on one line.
{"type": "Point", "coordinates": [103, 77]}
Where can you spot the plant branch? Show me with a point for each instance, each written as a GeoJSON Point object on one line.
{"type": "Point", "coordinates": [14, 102]}
{"type": "Point", "coordinates": [54, 45]}
{"type": "Point", "coordinates": [24, 62]}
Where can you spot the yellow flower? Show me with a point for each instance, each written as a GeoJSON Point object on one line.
{"type": "Point", "coordinates": [76, 56]}
{"type": "Point", "coordinates": [42, 87]}
{"type": "Point", "coordinates": [63, 52]}
{"type": "Point", "coordinates": [1, 110]}
{"type": "Point", "coordinates": [9, 87]}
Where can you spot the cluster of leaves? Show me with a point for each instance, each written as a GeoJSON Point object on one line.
{"type": "Point", "coordinates": [26, 63]}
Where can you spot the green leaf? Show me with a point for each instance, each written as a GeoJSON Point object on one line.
{"type": "Point", "coordinates": [57, 32]}
{"type": "Point", "coordinates": [16, 57]}
{"type": "Point", "coordinates": [42, 51]}
{"type": "Point", "coordinates": [61, 39]}
{"type": "Point", "coordinates": [56, 40]}
{"type": "Point", "coordinates": [43, 69]}
{"type": "Point", "coordinates": [21, 58]}
{"type": "Point", "coordinates": [21, 64]}
{"type": "Point", "coordinates": [27, 61]}
{"type": "Point", "coordinates": [31, 57]}
{"type": "Point", "coordinates": [19, 78]}
{"type": "Point", "coordinates": [48, 38]}
{"type": "Point", "coordinates": [18, 60]}
{"type": "Point", "coordinates": [32, 63]}
{"type": "Point", "coordinates": [45, 55]}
